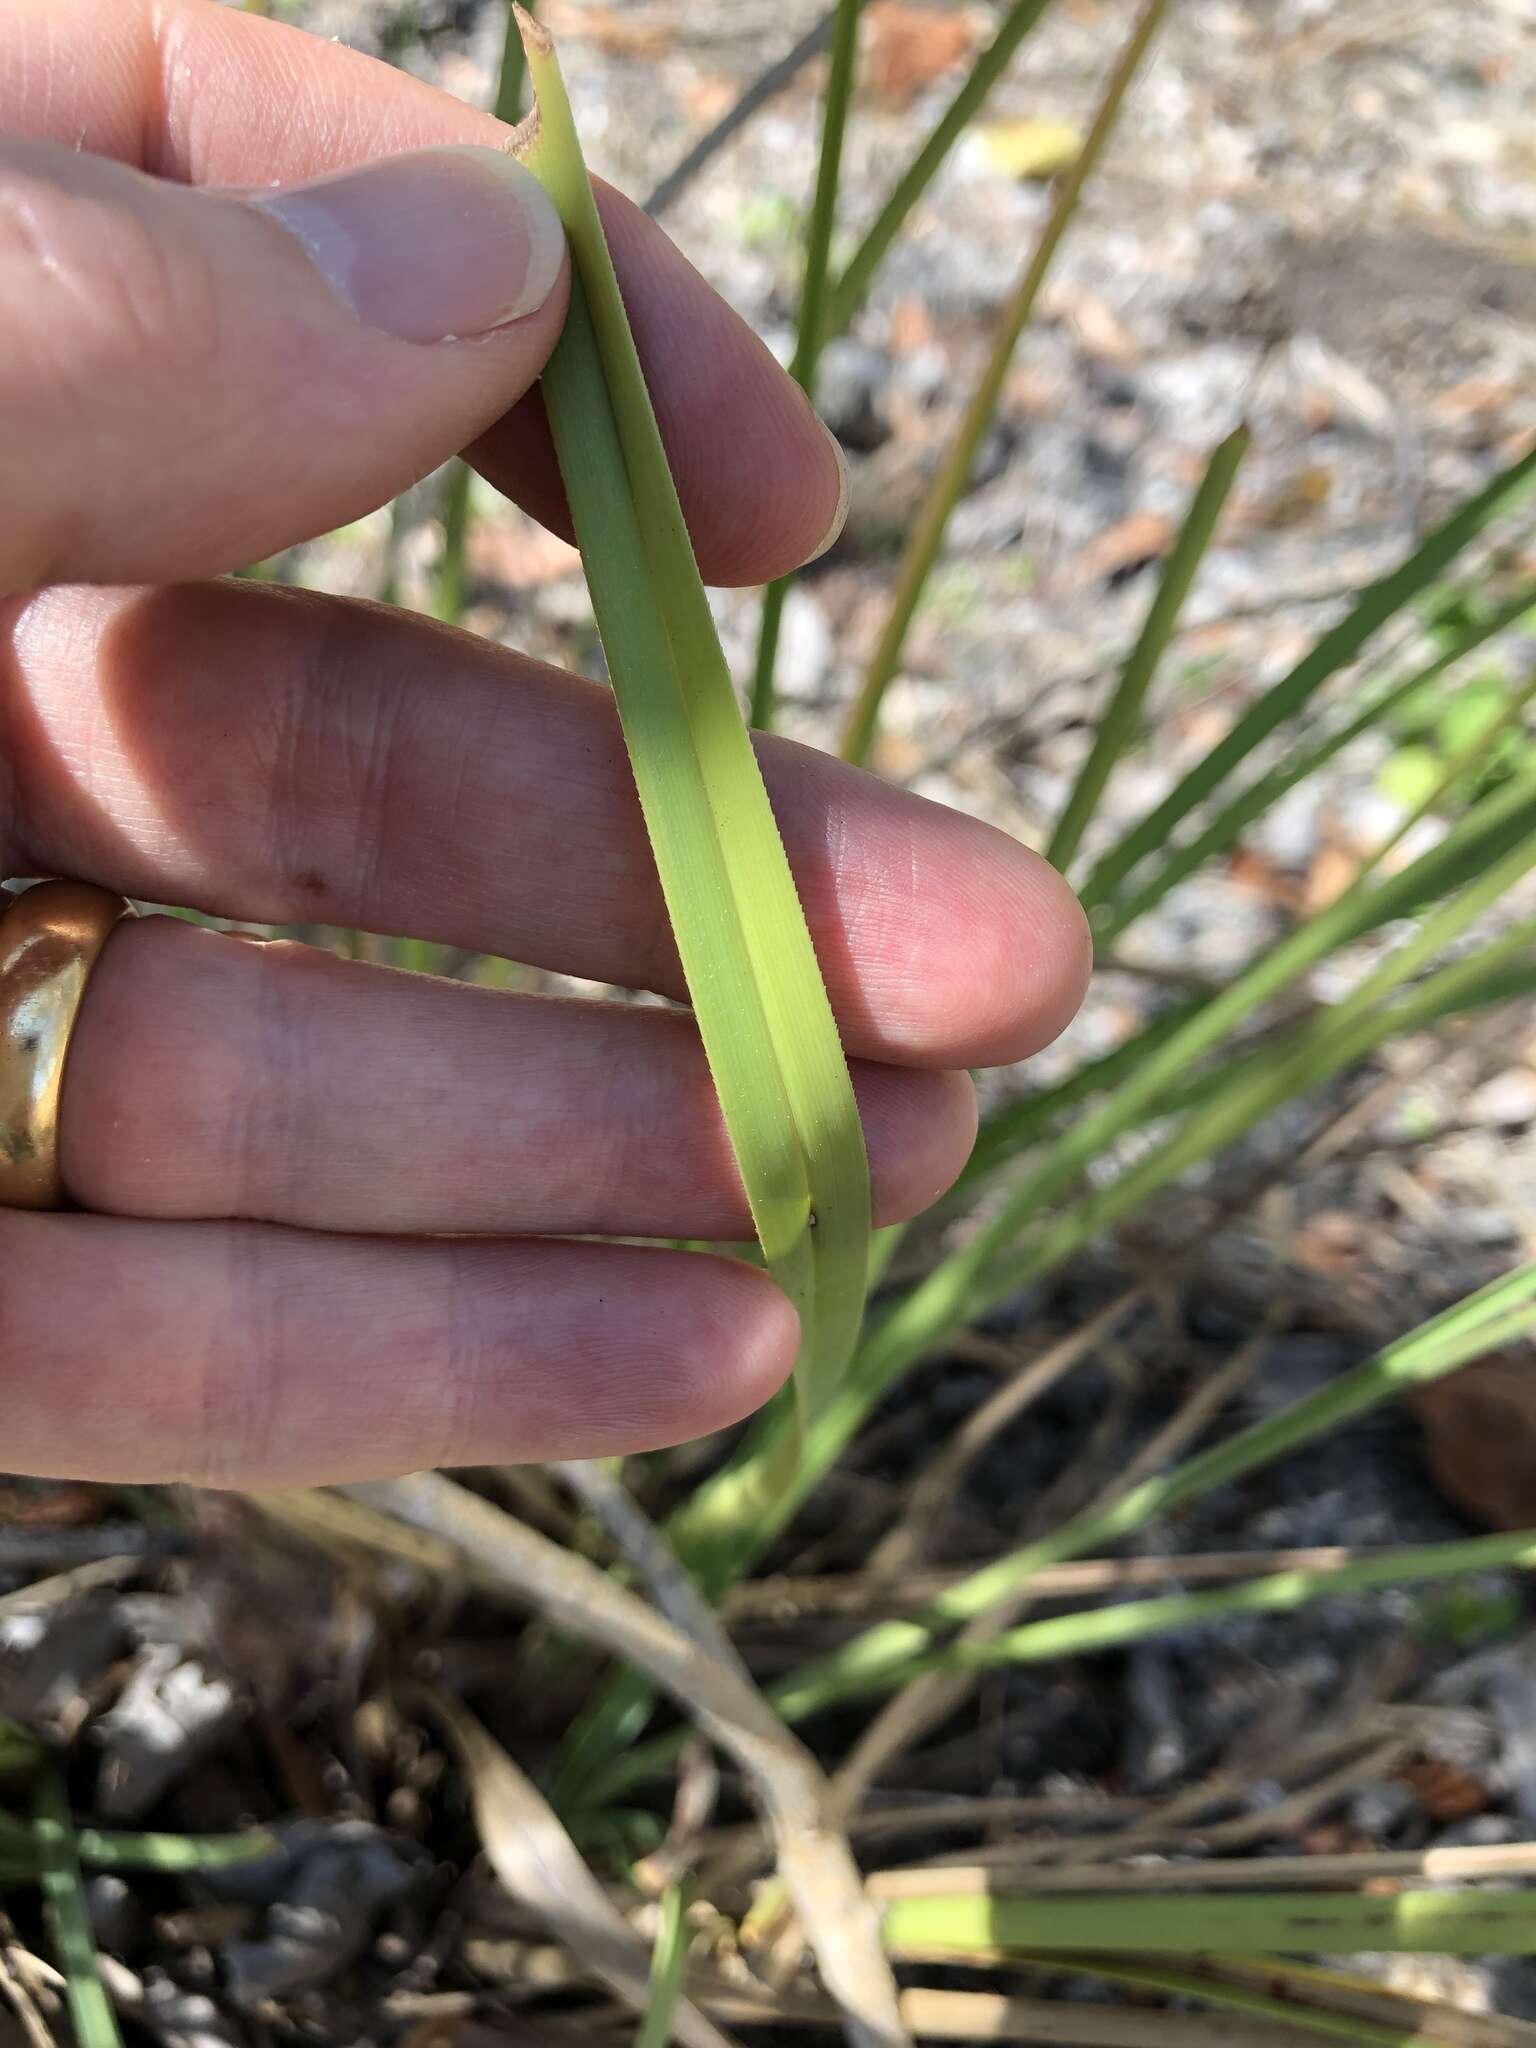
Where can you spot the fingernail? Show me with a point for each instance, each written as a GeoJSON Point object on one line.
{"type": "Point", "coordinates": [840, 516]}
{"type": "Point", "coordinates": [436, 245]}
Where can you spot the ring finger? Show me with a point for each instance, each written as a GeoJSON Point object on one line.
{"type": "Point", "coordinates": [214, 1079]}
{"type": "Point", "coordinates": [241, 1354]}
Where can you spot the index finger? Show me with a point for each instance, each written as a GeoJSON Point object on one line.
{"type": "Point", "coordinates": [190, 90]}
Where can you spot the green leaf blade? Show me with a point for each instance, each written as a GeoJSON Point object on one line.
{"type": "Point", "coordinates": [1120, 724]}
{"type": "Point", "coordinates": [752, 973]}
{"type": "Point", "coordinates": [1337, 648]}
{"type": "Point", "coordinates": [1498, 1921]}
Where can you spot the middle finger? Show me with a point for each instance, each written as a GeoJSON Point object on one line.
{"type": "Point", "coordinates": [211, 1078]}
{"type": "Point", "coordinates": [286, 759]}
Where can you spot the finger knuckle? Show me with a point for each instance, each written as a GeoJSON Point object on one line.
{"type": "Point", "coordinates": [230, 1417]}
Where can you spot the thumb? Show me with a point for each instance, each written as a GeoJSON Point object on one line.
{"type": "Point", "coordinates": [192, 379]}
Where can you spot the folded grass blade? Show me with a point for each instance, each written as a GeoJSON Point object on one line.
{"type": "Point", "coordinates": [752, 974]}
{"type": "Point", "coordinates": [1028, 1235]}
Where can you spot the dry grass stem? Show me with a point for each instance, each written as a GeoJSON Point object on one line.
{"type": "Point", "coordinates": [813, 1857]}
{"type": "Point", "coordinates": [541, 1867]}
{"type": "Point", "coordinates": [928, 1700]}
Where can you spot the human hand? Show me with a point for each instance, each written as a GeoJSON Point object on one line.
{"type": "Point", "coordinates": [323, 1209]}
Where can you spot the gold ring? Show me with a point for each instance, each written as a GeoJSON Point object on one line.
{"type": "Point", "coordinates": [51, 936]}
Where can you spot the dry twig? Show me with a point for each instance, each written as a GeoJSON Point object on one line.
{"type": "Point", "coordinates": [928, 1700]}
{"type": "Point", "coordinates": [813, 1857]}
{"type": "Point", "coordinates": [940, 1480]}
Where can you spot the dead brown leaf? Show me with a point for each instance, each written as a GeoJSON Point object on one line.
{"type": "Point", "coordinates": [622, 31]}
{"type": "Point", "coordinates": [909, 47]}
{"type": "Point", "coordinates": [1332, 1241]}
{"type": "Point", "coordinates": [1298, 498]}
{"type": "Point", "coordinates": [1445, 1791]}
{"type": "Point", "coordinates": [1474, 398]}
{"type": "Point", "coordinates": [911, 326]}
{"type": "Point", "coordinates": [1256, 872]}
{"type": "Point", "coordinates": [708, 99]}
{"type": "Point", "coordinates": [49, 1504]}
{"type": "Point", "coordinates": [1334, 867]}
{"type": "Point", "coordinates": [1033, 394]}
{"type": "Point", "coordinates": [541, 1867]}
{"type": "Point", "coordinates": [443, 2032]}
{"type": "Point", "coordinates": [1130, 544]}
{"type": "Point", "coordinates": [1480, 1437]}
{"type": "Point", "coordinates": [1097, 326]}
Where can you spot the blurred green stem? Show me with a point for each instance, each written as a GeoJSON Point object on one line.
{"type": "Point", "coordinates": [1132, 1621]}
{"type": "Point", "coordinates": [90, 2009]}
{"type": "Point", "coordinates": [448, 598]}
{"type": "Point", "coordinates": [811, 328]}
{"type": "Point", "coordinates": [928, 534]}
{"type": "Point", "coordinates": [1120, 726]}
{"type": "Point", "coordinates": [669, 1959]}
{"type": "Point", "coordinates": [856, 278]}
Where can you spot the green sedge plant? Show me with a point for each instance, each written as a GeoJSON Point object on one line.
{"type": "Point", "coordinates": [1436, 905]}
{"type": "Point", "coordinates": [47, 1851]}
